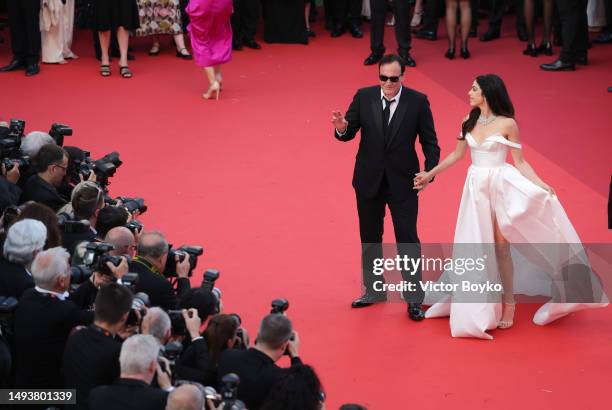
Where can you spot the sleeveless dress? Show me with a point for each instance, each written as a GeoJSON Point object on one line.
{"type": "Point", "coordinates": [548, 257]}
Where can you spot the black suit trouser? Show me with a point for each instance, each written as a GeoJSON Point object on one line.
{"type": "Point", "coordinates": [498, 7]}
{"type": "Point", "coordinates": [244, 19]}
{"type": "Point", "coordinates": [24, 21]}
{"type": "Point", "coordinates": [371, 226]}
{"type": "Point", "coordinates": [574, 29]}
{"type": "Point", "coordinates": [401, 10]}
{"type": "Point", "coordinates": [345, 11]}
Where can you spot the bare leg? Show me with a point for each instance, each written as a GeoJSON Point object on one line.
{"type": "Point", "coordinates": [451, 22]}
{"type": "Point", "coordinates": [466, 21]}
{"type": "Point", "coordinates": [506, 272]}
{"type": "Point", "coordinates": [179, 41]}
{"type": "Point", "coordinates": [213, 88]}
{"type": "Point", "coordinates": [104, 44]}
{"type": "Point", "coordinates": [218, 75]}
{"type": "Point", "coordinates": [417, 17]}
{"type": "Point", "coordinates": [307, 14]}
{"type": "Point", "coordinates": [155, 47]}
{"type": "Point", "coordinates": [123, 38]}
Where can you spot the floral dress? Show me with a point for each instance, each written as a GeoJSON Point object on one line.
{"type": "Point", "coordinates": [159, 17]}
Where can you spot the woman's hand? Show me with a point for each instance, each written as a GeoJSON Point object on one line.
{"type": "Point", "coordinates": [422, 179]}
{"type": "Point", "coordinates": [548, 188]}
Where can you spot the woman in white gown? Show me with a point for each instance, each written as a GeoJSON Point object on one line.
{"type": "Point", "coordinates": [502, 206]}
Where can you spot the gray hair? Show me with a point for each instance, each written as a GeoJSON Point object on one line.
{"type": "Point", "coordinates": [275, 330]}
{"type": "Point", "coordinates": [50, 265]}
{"type": "Point", "coordinates": [24, 239]}
{"type": "Point", "coordinates": [185, 397]}
{"type": "Point", "coordinates": [137, 354]}
{"type": "Point", "coordinates": [31, 143]}
{"type": "Point", "coordinates": [152, 244]}
{"type": "Point", "coordinates": [158, 323]}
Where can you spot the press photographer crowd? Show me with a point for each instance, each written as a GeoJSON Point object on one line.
{"type": "Point", "coordinates": [92, 301]}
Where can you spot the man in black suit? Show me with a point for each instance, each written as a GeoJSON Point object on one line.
{"type": "Point", "coordinates": [91, 357]}
{"type": "Point", "coordinates": [244, 23]}
{"type": "Point", "coordinates": [575, 33]}
{"type": "Point", "coordinates": [87, 201]}
{"type": "Point", "coordinates": [389, 116]}
{"type": "Point", "coordinates": [150, 263]}
{"type": "Point", "coordinates": [24, 240]}
{"type": "Point", "coordinates": [496, 15]}
{"type": "Point", "coordinates": [9, 190]}
{"type": "Point", "coordinates": [25, 36]}
{"type": "Point", "coordinates": [51, 164]}
{"type": "Point", "coordinates": [346, 13]}
{"type": "Point", "coordinates": [256, 366]}
{"type": "Point", "coordinates": [401, 10]}
{"type": "Point", "coordinates": [44, 318]}
{"type": "Point", "coordinates": [138, 362]}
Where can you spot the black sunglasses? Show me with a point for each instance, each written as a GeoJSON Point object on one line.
{"type": "Point", "coordinates": [384, 78]}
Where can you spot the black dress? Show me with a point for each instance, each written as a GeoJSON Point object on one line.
{"type": "Point", "coordinates": [110, 14]}
{"type": "Point", "coordinates": [284, 21]}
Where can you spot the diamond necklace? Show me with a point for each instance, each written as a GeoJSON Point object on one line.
{"type": "Point", "coordinates": [486, 121]}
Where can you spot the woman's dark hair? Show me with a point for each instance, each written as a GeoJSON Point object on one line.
{"type": "Point", "coordinates": [221, 329]}
{"type": "Point", "coordinates": [495, 92]}
{"type": "Point", "coordinates": [111, 217]}
{"type": "Point", "coordinates": [299, 389]}
{"type": "Point", "coordinates": [44, 214]}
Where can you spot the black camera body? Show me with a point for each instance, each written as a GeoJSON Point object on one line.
{"type": "Point", "coordinates": [58, 132]}
{"type": "Point", "coordinates": [68, 225]}
{"type": "Point", "coordinates": [133, 204]}
{"type": "Point", "coordinates": [134, 226]}
{"type": "Point", "coordinates": [7, 317]}
{"type": "Point", "coordinates": [209, 279]}
{"type": "Point", "coordinates": [279, 306]}
{"type": "Point", "coordinates": [191, 252]}
{"type": "Point", "coordinates": [229, 392]}
{"type": "Point", "coordinates": [177, 322]}
{"type": "Point", "coordinates": [96, 256]}
{"type": "Point", "coordinates": [140, 302]}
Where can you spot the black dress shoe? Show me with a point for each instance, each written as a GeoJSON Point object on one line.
{"type": "Point", "coordinates": [558, 66]}
{"type": "Point", "coordinates": [373, 59]}
{"type": "Point", "coordinates": [415, 311]}
{"type": "Point", "coordinates": [338, 30]}
{"type": "Point", "coordinates": [310, 33]}
{"type": "Point", "coordinates": [521, 33]}
{"type": "Point", "coordinates": [32, 69]}
{"type": "Point", "coordinates": [531, 50]}
{"type": "Point", "coordinates": [604, 38]}
{"type": "Point", "coordinates": [13, 65]}
{"type": "Point", "coordinates": [426, 34]}
{"type": "Point", "coordinates": [489, 35]}
{"type": "Point", "coordinates": [251, 43]}
{"type": "Point", "coordinates": [408, 60]}
{"type": "Point", "coordinates": [236, 46]}
{"type": "Point", "coordinates": [356, 32]}
{"type": "Point", "coordinates": [546, 48]}
{"type": "Point", "coordinates": [582, 60]}
{"type": "Point", "coordinates": [367, 300]}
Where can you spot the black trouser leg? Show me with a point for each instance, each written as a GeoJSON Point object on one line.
{"type": "Point", "coordinates": [404, 216]}
{"type": "Point", "coordinates": [402, 26]}
{"type": "Point", "coordinates": [574, 30]}
{"type": "Point", "coordinates": [431, 14]}
{"type": "Point", "coordinates": [371, 213]}
{"type": "Point", "coordinates": [340, 12]}
{"type": "Point", "coordinates": [251, 12]}
{"type": "Point", "coordinates": [378, 8]}
{"type": "Point", "coordinates": [24, 20]}
{"type": "Point", "coordinates": [17, 25]}
{"type": "Point", "coordinates": [497, 14]}
{"type": "Point", "coordinates": [354, 12]}
{"type": "Point", "coordinates": [519, 7]}
{"type": "Point", "coordinates": [236, 20]}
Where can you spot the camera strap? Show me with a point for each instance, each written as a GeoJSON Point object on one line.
{"type": "Point", "coordinates": [146, 264]}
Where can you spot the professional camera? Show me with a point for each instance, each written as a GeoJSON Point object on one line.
{"type": "Point", "coordinates": [16, 128]}
{"type": "Point", "coordinates": [171, 352]}
{"type": "Point", "coordinates": [229, 392]}
{"type": "Point", "coordinates": [68, 225]}
{"type": "Point", "coordinates": [96, 256]}
{"type": "Point", "coordinates": [240, 342]}
{"type": "Point", "coordinates": [140, 302]}
{"type": "Point", "coordinates": [21, 162]}
{"type": "Point", "coordinates": [134, 226]}
{"type": "Point", "coordinates": [279, 306]}
{"type": "Point", "coordinates": [104, 168]}
{"type": "Point", "coordinates": [133, 204]}
{"type": "Point", "coordinates": [10, 146]}
{"type": "Point", "coordinates": [58, 132]}
{"type": "Point", "coordinates": [7, 310]}
{"type": "Point", "coordinates": [177, 322]}
{"type": "Point", "coordinates": [209, 279]}
{"type": "Point", "coordinates": [191, 252]}
{"type": "Point", "coordinates": [79, 274]}
{"type": "Point", "coordinates": [11, 213]}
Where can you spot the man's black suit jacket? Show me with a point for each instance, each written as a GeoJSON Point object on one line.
{"type": "Point", "coordinates": [38, 190]}
{"type": "Point", "coordinates": [258, 374]}
{"type": "Point", "coordinates": [14, 279]}
{"type": "Point", "coordinates": [158, 288]}
{"type": "Point", "coordinates": [42, 326]}
{"type": "Point", "coordinates": [127, 394]}
{"type": "Point", "coordinates": [394, 155]}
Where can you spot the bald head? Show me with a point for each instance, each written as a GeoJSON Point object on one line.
{"type": "Point", "coordinates": [185, 397]}
{"type": "Point", "coordinates": [123, 239]}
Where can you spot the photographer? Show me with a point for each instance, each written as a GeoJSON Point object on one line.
{"type": "Point", "coordinates": [51, 164]}
{"type": "Point", "coordinates": [24, 240]}
{"type": "Point", "coordinates": [123, 240]}
{"type": "Point", "coordinates": [256, 366]}
{"type": "Point", "coordinates": [150, 263]}
{"type": "Point", "coordinates": [91, 357]}
{"type": "Point", "coordinates": [157, 324]}
{"type": "Point", "coordinates": [139, 364]}
{"type": "Point", "coordinates": [10, 193]}
{"type": "Point", "coordinates": [111, 217]}
{"type": "Point", "coordinates": [186, 397]}
{"type": "Point", "coordinates": [30, 145]}
{"type": "Point", "coordinates": [87, 201]}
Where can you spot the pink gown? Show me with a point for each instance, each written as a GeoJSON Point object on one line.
{"type": "Point", "coordinates": [547, 254]}
{"type": "Point", "coordinates": [210, 31]}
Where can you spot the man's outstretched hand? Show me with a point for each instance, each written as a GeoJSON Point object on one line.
{"type": "Point", "coordinates": [339, 121]}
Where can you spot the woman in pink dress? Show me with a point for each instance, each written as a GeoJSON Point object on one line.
{"type": "Point", "coordinates": [211, 38]}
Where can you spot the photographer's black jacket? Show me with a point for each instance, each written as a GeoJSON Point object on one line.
{"type": "Point", "coordinates": [71, 240]}
{"type": "Point", "coordinates": [14, 279]}
{"type": "Point", "coordinates": [157, 286]}
{"type": "Point", "coordinates": [128, 394]}
{"type": "Point", "coordinates": [42, 325]}
{"type": "Point", "coordinates": [9, 194]}
{"type": "Point", "coordinates": [91, 359]}
{"type": "Point", "coordinates": [38, 190]}
{"type": "Point", "coordinates": [257, 372]}
{"type": "Point", "coordinates": [196, 365]}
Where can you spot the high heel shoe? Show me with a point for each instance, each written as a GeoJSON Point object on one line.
{"type": "Point", "coordinates": [450, 53]}
{"type": "Point", "coordinates": [506, 324]}
{"type": "Point", "coordinates": [154, 50]}
{"type": "Point", "coordinates": [546, 48]}
{"type": "Point", "coordinates": [215, 88]}
{"type": "Point", "coordinates": [220, 81]}
{"type": "Point", "coordinates": [184, 56]}
{"type": "Point", "coordinates": [417, 19]}
{"type": "Point", "coordinates": [531, 50]}
{"type": "Point", "coordinates": [465, 53]}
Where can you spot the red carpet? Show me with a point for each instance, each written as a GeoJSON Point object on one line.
{"type": "Point", "coordinates": [259, 181]}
